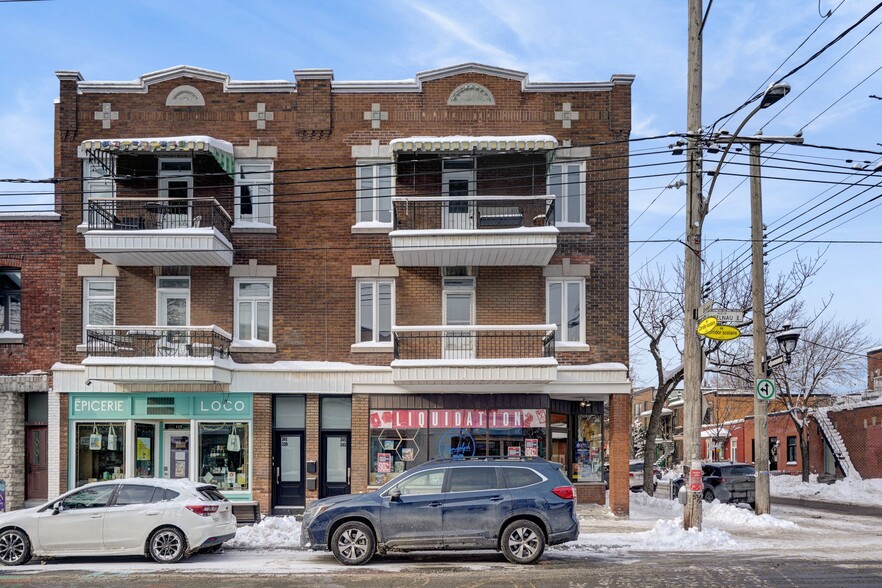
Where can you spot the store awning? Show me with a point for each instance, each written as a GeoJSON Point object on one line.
{"type": "Point", "coordinates": [469, 143]}
{"type": "Point", "coordinates": [714, 433]}
{"type": "Point", "coordinates": [222, 151]}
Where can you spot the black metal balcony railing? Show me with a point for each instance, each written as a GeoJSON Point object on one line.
{"type": "Point", "coordinates": [472, 212]}
{"type": "Point", "coordinates": [474, 342]}
{"type": "Point", "coordinates": [138, 214]}
{"type": "Point", "coordinates": [196, 342]}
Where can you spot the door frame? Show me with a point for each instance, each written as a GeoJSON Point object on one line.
{"type": "Point", "coordinates": [156, 451]}
{"type": "Point", "coordinates": [166, 451]}
{"type": "Point", "coordinates": [471, 292]}
{"type": "Point", "coordinates": [29, 430]}
{"type": "Point", "coordinates": [323, 461]}
{"type": "Point", "coordinates": [162, 317]}
{"type": "Point", "coordinates": [458, 173]}
{"type": "Point", "coordinates": [276, 462]}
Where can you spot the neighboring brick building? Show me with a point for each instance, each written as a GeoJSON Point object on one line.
{"type": "Point", "coordinates": [29, 345]}
{"type": "Point", "coordinates": [298, 289]}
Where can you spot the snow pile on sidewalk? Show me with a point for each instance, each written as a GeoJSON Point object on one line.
{"type": "Point", "coordinates": [715, 513]}
{"type": "Point", "coordinates": [269, 533]}
{"type": "Point", "coordinates": [859, 492]}
{"type": "Point", "coordinates": [666, 535]}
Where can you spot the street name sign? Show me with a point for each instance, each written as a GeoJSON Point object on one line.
{"type": "Point", "coordinates": [765, 389]}
{"type": "Point", "coordinates": [723, 333]}
{"type": "Point", "coordinates": [724, 315]}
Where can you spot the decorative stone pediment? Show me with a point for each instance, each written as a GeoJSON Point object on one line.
{"type": "Point", "coordinates": [471, 94]}
{"type": "Point", "coordinates": [185, 96]}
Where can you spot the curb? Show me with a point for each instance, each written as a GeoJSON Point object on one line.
{"type": "Point", "coordinates": [854, 509]}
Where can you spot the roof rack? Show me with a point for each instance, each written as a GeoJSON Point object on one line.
{"type": "Point", "coordinates": [485, 458]}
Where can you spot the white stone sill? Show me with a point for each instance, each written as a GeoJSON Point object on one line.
{"type": "Point", "coordinates": [371, 229]}
{"type": "Point", "coordinates": [572, 347]}
{"type": "Point", "coordinates": [372, 348]}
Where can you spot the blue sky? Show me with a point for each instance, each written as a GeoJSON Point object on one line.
{"type": "Point", "coordinates": [561, 41]}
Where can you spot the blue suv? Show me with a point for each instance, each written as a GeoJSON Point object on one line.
{"type": "Point", "coordinates": [517, 506]}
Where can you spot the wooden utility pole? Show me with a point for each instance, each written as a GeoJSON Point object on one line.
{"type": "Point", "coordinates": [692, 284]}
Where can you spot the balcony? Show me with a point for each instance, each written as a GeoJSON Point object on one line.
{"type": "Point", "coordinates": [151, 232]}
{"type": "Point", "coordinates": [473, 230]}
{"type": "Point", "coordinates": [472, 354]}
{"type": "Point", "coordinates": [126, 354]}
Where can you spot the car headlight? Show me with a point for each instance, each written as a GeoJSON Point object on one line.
{"type": "Point", "coordinates": [313, 512]}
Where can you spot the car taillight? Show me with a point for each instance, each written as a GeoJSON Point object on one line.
{"type": "Point", "coordinates": [205, 510]}
{"type": "Point", "coordinates": [565, 492]}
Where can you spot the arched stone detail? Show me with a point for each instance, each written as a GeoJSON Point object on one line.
{"type": "Point", "coordinates": [185, 96]}
{"type": "Point", "coordinates": [471, 94]}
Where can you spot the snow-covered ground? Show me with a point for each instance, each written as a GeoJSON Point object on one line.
{"type": "Point", "coordinates": [860, 492]}
{"type": "Point", "coordinates": [654, 527]}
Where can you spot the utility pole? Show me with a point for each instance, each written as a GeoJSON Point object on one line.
{"type": "Point", "coordinates": [692, 270]}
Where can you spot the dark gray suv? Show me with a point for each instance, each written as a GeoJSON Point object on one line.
{"type": "Point", "coordinates": [516, 506]}
{"type": "Point", "coordinates": [725, 481]}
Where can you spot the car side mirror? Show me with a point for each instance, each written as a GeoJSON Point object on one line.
{"type": "Point", "coordinates": [395, 494]}
{"type": "Point", "coordinates": [57, 508]}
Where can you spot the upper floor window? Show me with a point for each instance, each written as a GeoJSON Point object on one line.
{"type": "Point", "coordinates": [254, 192]}
{"type": "Point", "coordinates": [375, 188]}
{"type": "Point", "coordinates": [566, 308]}
{"type": "Point", "coordinates": [375, 309]}
{"type": "Point", "coordinates": [99, 302]}
{"type": "Point", "coordinates": [566, 181]}
{"type": "Point", "coordinates": [254, 310]}
{"type": "Point", "coordinates": [10, 301]}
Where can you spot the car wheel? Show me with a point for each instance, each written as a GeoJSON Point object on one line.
{"type": "Point", "coordinates": [167, 545]}
{"type": "Point", "coordinates": [353, 543]}
{"type": "Point", "coordinates": [523, 542]}
{"type": "Point", "coordinates": [708, 496]}
{"type": "Point", "coordinates": [15, 548]}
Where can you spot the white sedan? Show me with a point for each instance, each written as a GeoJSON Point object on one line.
{"type": "Point", "coordinates": [165, 519]}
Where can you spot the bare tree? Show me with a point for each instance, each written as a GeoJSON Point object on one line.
{"type": "Point", "coordinates": [657, 307]}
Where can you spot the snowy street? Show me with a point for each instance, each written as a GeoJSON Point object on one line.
{"type": "Point", "coordinates": [794, 545]}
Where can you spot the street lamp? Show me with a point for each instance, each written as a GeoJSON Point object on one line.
{"type": "Point", "coordinates": [787, 340]}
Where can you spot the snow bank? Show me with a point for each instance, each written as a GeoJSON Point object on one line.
{"type": "Point", "coordinates": [666, 535]}
{"type": "Point", "coordinates": [859, 492]}
{"type": "Point", "coordinates": [713, 513]}
{"type": "Point", "coordinates": [270, 533]}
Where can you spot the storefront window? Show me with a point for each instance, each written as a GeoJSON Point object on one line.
{"type": "Point", "coordinates": [402, 439]}
{"type": "Point", "coordinates": [145, 450]}
{"type": "Point", "coordinates": [588, 458]}
{"type": "Point", "coordinates": [101, 452]}
{"type": "Point", "coordinates": [560, 439]}
{"type": "Point", "coordinates": [223, 455]}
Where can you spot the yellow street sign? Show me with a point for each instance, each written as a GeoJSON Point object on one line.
{"type": "Point", "coordinates": [707, 325]}
{"type": "Point", "coordinates": [723, 333]}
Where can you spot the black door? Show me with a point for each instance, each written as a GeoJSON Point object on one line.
{"type": "Point", "coordinates": [334, 471]}
{"type": "Point", "coordinates": [288, 471]}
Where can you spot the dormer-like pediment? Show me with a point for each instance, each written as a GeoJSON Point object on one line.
{"type": "Point", "coordinates": [184, 73]}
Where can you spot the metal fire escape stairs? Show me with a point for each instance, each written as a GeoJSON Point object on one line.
{"type": "Point", "coordinates": [834, 439]}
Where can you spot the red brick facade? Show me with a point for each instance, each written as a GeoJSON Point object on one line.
{"type": "Point", "coordinates": [314, 249]}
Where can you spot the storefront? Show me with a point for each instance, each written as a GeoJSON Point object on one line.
{"type": "Point", "coordinates": [201, 437]}
{"type": "Point", "coordinates": [406, 431]}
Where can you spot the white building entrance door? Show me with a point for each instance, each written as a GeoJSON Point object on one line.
{"type": "Point", "coordinates": [173, 310]}
{"type": "Point", "coordinates": [459, 309]}
{"type": "Point", "coordinates": [177, 453]}
{"type": "Point", "coordinates": [458, 179]}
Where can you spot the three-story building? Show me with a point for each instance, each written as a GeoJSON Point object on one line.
{"type": "Point", "coordinates": [294, 289]}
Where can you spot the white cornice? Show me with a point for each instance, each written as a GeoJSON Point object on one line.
{"type": "Point", "coordinates": [141, 85]}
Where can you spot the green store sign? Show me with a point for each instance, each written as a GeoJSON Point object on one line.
{"type": "Point", "coordinates": [160, 406]}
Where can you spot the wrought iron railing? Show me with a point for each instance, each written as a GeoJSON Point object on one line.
{"type": "Point", "coordinates": [156, 341]}
{"type": "Point", "coordinates": [464, 342]}
{"type": "Point", "coordinates": [139, 214]}
{"type": "Point", "coordinates": [472, 212]}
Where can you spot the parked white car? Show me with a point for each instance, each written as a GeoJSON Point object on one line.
{"type": "Point", "coordinates": [164, 519]}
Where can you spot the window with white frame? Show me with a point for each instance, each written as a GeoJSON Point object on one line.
{"type": "Point", "coordinates": [254, 310]}
{"type": "Point", "coordinates": [566, 181]}
{"type": "Point", "coordinates": [99, 303]}
{"type": "Point", "coordinates": [375, 309]}
{"type": "Point", "coordinates": [254, 192]}
{"type": "Point", "coordinates": [375, 186]}
{"type": "Point", "coordinates": [565, 306]}
{"type": "Point", "coordinates": [98, 185]}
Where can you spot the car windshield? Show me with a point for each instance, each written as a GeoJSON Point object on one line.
{"type": "Point", "coordinates": [740, 470]}
{"type": "Point", "coordinates": [211, 493]}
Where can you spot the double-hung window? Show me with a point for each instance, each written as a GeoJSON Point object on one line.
{"type": "Point", "coordinates": [254, 310]}
{"type": "Point", "coordinates": [565, 306]}
{"type": "Point", "coordinates": [566, 181]}
{"type": "Point", "coordinates": [10, 302]}
{"type": "Point", "coordinates": [375, 186]}
{"type": "Point", "coordinates": [254, 192]}
{"type": "Point", "coordinates": [99, 303]}
{"type": "Point", "coordinates": [375, 309]}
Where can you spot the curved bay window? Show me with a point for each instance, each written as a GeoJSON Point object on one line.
{"type": "Point", "coordinates": [223, 455]}
{"type": "Point", "coordinates": [100, 452]}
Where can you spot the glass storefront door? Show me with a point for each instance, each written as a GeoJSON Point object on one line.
{"type": "Point", "coordinates": [335, 464]}
{"type": "Point", "coordinates": [176, 449]}
{"type": "Point", "coordinates": [146, 450]}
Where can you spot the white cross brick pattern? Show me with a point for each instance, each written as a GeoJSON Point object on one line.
{"type": "Point", "coordinates": [105, 115]}
{"type": "Point", "coordinates": [566, 115]}
{"type": "Point", "coordinates": [375, 115]}
{"type": "Point", "coordinates": [260, 115]}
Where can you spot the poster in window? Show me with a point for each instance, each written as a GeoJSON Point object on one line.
{"type": "Point", "coordinates": [384, 463]}
{"type": "Point", "coordinates": [407, 454]}
{"type": "Point", "coordinates": [531, 447]}
{"type": "Point", "coordinates": [514, 450]}
{"type": "Point", "coordinates": [143, 448]}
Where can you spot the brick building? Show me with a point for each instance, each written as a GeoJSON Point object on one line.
{"type": "Point", "coordinates": [29, 345]}
{"type": "Point", "coordinates": [294, 289]}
